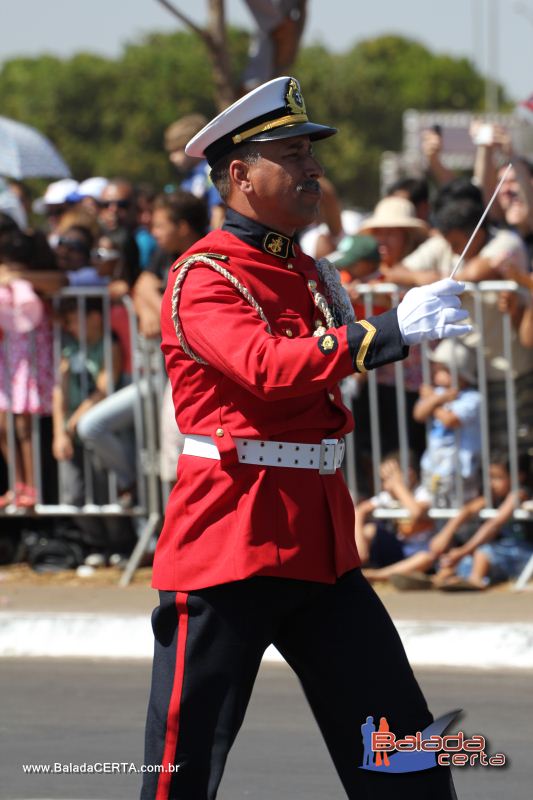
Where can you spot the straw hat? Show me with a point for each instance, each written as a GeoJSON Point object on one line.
{"type": "Point", "coordinates": [395, 212]}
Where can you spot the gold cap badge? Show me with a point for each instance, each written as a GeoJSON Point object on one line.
{"type": "Point", "coordinates": [294, 99]}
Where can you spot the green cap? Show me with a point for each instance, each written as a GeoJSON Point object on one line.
{"type": "Point", "coordinates": [355, 248]}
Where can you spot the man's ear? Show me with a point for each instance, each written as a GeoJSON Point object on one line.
{"type": "Point", "coordinates": [239, 173]}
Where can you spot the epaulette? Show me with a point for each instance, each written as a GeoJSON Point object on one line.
{"type": "Point", "coordinates": [218, 257]}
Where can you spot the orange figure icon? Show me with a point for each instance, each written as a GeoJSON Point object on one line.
{"type": "Point", "coordinates": [382, 757]}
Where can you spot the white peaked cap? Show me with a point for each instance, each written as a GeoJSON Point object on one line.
{"type": "Point", "coordinates": [92, 187]}
{"type": "Point", "coordinates": [58, 191]}
{"type": "Point", "coordinates": [275, 110]}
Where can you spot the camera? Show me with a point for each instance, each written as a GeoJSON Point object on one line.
{"type": "Point", "coordinates": [484, 134]}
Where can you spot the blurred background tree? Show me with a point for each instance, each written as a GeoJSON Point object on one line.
{"type": "Point", "coordinates": [364, 93]}
{"type": "Point", "coordinates": [107, 117]}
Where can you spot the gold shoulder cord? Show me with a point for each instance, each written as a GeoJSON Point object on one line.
{"type": "Point", "coordinates": [322, 304]}
{"type": "Point", "coordinates": [185, 266]}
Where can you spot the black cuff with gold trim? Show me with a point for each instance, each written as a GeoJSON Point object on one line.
{"type": "Point", "coordinates": [376, 341]}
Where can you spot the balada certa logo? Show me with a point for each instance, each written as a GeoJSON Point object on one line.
{"type": "Point", "coordinates": [385, 752]}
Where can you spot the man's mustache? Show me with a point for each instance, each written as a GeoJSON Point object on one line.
{"type": "Point", "coordinates": [310, 185]}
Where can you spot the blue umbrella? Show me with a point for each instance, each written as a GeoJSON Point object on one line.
{"type": "Point", "coordinates": [26, 153]}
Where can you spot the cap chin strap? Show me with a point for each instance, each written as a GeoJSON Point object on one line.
{"type": "Point", "coordinates": [289, 119]}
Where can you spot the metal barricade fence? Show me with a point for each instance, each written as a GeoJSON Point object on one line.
{"type": "Point", "coordinates": [148, 380]}
{"type": "Point", "coordinates": [144, 397]}
{"type": "Point", "coordinates": [517, 433]}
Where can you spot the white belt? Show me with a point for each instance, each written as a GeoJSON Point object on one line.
{"type": "Point", "coordinates": [325, 457]}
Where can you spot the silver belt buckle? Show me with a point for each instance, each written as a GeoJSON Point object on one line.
{"type": "Point", "coordinates": [331, 451]}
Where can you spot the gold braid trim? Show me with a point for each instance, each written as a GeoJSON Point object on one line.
{"type": "Point", "coordinates": [185, 266]}
{"type": "Point", "coordinates": [365, 344]}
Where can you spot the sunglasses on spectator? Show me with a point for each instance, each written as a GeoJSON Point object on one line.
{"type": "Point", "coordinates": [105, 254]}
{"type": "Point", "coordinates": [118, 203]}
{"type": "Point", "coordinates": [73, 244]}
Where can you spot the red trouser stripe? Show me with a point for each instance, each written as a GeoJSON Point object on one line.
{"type": "Point", "coordinates": [173, 717]}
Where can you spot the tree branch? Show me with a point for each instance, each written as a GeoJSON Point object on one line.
{"type": "Point", "coordinates": [214, 38]}
{"type": "Point", "coordinates": [186, 21]}
{"type": "Point", "coordinates": [225, 91]}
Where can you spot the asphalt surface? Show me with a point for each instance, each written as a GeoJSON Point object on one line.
{"type": "Point", "coordinates": [93, 711]}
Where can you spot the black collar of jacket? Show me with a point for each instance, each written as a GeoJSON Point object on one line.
{"type": "Point", "coordinates": [259, 236]}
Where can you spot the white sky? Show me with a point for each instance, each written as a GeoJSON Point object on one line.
{"type": "Point", "coordinates": [458, 27]}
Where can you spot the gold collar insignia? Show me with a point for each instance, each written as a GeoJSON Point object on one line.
{"type": "Point", "coordinates": [277, 244]}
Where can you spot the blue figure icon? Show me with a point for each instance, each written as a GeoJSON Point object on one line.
{"type": "Point", "coordinates": [367, 729]}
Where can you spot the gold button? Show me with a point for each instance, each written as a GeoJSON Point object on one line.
{"type": "Point", "coordinates": [312, 285]}
{"type": "Point", "coordinates": [219, 432]}
{"type": "Point", "coordinates": [319, 323]}
{"type": "Point", "coordinates": [290, 266]}
{"type": "Point", "coordinates": [331, 396]}
{"type": "Point", "coordinates": [289, 333]}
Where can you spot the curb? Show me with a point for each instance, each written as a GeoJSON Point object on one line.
{"type": "Point", "coordinates": [74, 635]}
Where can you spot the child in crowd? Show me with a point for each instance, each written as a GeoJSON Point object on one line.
{"type": "Point", "coordinates": [83, 382]}
{"type": "Point", "coordinates": [411, 572]}
{"type": "Point", "coordinates": [383, 544]}
{"type": "Point", "coordinates": [461, 552]}
{"type": "Point", "coordinates": [107, 261]}
{"type": "Point", "coordinates": [502, 546]}
{"type": "Point", "coordinates": [452, 456]}
{"type": "Point", "coordinates": [26, 369]}
{"type": "Point", "coordinates": [83, 377]}
{"type": "Point", "coordinates": [358, 260]}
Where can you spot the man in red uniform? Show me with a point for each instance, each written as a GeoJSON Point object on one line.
{"type": "Point", "coordinates": [258, 544]}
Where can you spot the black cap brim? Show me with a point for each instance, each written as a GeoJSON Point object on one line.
{"type": "Point", "coordinates": [311, 129]}
{"type": "Point", "coordinates": [225, 145]}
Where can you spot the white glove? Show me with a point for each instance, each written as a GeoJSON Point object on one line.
{"type": "Point", "coordinates": [432, 311]}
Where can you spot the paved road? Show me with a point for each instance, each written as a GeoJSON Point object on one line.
{"type": "Point", "coordinates": [94, 711]}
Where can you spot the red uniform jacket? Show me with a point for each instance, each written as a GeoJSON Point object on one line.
{"type": "Point", "coordinates": [226, 521]}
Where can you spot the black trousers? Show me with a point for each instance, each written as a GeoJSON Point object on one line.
{"type": "Point", "coordinates": [340, 642]}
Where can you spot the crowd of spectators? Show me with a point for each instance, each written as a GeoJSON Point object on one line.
{"type": "Point", "coordinates": [120, 240]}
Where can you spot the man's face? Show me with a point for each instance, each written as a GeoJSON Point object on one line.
{"type": "Point", "coordinates": [117, 207]}
{"type": "Point", "coordinates": [166, 233]}
{"type": "Point", "coordinates": [511, 201]}
{"type": "Point", "coordinates": [72, 251]}
{"type": "Point", "coordinates": [509, 190]}
{"type": "Point", "coordinates": [392, 244]}
{"type": "Point", "coordinates": [458, 239]}
{"type": "Point", "coordinates": [283, 185]}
